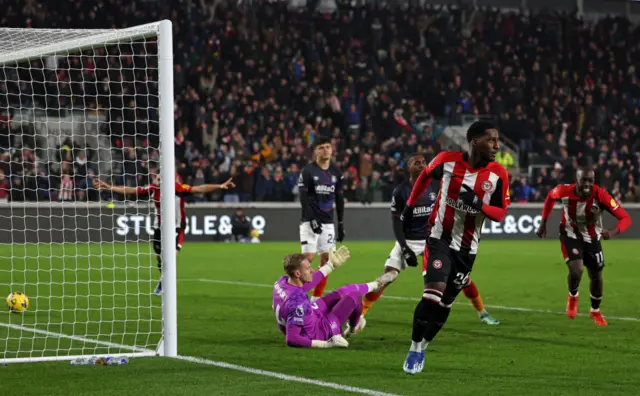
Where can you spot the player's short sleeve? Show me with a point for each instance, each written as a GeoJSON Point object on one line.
{"type": "Point", "coordinates": [500, 197]}
{"type": "Point", "coordinates": [183, 189]}
{"type": "Point", "coordinates": [560, 191]}
{"type": "Point", "coordinates": [606, 200]}
{"type": "Point", "coordinates": [295, 309]}
{"type": "Point", "coordinates": [435, 168]}
{"type": "Point", "coordinates": [144, 190]}
{"type": "Point", "coordinates": [398, 201]}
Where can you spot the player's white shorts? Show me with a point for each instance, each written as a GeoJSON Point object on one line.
{"type": "Point", "coordinates": [395, 259]}
{"type": "Point", "coordinates": [311, 242]}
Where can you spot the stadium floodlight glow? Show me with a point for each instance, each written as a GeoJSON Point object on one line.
{"type": "Point", "coordinates": [74, 102]}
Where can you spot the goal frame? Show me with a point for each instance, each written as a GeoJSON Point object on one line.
{"type": "Point", "coordinates": [168, 344]}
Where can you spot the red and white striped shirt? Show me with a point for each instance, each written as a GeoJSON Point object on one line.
{"type": "Point", "coordinates": [582, 216]}
{"type": "Point", "coordinates": [153, 190]}
{"type": "Point", "coordinates": [451, 220]}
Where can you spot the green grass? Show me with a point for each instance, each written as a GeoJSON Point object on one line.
{"type": "Point", "coordinates": [530, 353]}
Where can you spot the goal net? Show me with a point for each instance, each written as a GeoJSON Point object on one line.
{"type": "Point", "coordinates": [78, 106]}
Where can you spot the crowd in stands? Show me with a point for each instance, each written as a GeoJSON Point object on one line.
{"type": "Point", "coordinates": [257, 83]}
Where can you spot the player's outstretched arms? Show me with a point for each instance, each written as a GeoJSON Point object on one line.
{"type": "Point", "coordinates": [124, 190]}
{"type": "Point", "coordinates": [207, 188]}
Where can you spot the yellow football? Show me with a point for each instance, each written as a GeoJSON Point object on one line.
{"type": "Point", "coordinates": [17, 302]}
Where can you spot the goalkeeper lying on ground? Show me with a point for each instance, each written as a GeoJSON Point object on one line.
{"type": "Point", "coordinates": [318, 324]}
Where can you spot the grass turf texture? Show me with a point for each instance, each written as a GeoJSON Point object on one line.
{"type": "Point", "coordinates": [530, 353]}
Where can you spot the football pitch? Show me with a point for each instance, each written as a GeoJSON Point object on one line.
{"type": "Point", "coordinates": [225, 320]}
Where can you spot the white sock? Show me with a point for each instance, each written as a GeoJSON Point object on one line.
{"type": "Point", "coordinates": [425, 344]}
{"type": "Point", "coordinates": [572, 295]}
{"type": "Point", "coordinates": [415, 347]}
{"type": "Point", "coordinates": [372, 286]}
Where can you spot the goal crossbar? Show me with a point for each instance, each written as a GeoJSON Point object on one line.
{"type": "Point", "coordinates": [82, 39]}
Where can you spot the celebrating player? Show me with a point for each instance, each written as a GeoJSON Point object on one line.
{"type": "Point", "coordinates": [317, 324]}
{"type": "Point", "coordinates": [411, 243]}
{"type": "Point", "coordinates": [320, 185]}
{"type": "Point", "coordinates": [153, 190]}
{"type": "Point", "coordinates": [472, 187]}
{"type": "Point", "coordinates": [580, 234]}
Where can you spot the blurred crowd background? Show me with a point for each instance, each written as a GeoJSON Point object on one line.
{"type": "Point", "coordinates": [256, 83]}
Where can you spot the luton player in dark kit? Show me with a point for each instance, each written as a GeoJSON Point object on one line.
{"type": "Point", "coordinates": [411, 242]}
{"type": "Point", "coordinates": [472, 187]}
{"type": "Point", "coordinates": [320, 186]}
{"type": "Point", "coordinates": [580, 233]}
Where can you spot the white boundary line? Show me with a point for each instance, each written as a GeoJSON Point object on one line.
{"type": "Point", "coordinates": [75, 338]}
{"type": "Point", "coordinates": [285, 377]}
{"type": "Point", "coordinates": [272, 374]}
{"type": "Point", "coordinates": [500, 307]}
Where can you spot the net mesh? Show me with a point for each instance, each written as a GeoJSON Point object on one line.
{"type": "Point", "coordinates": [74, 107]}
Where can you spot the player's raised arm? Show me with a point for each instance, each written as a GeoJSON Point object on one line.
{"type": "Point", "coordinates": [207, 188]}
{"type": "Point", "coordinates": [337, 257]}
{"type": "Point", "coordinates": [549, 203]}
{"type": "Point", "coordinates": [124, 190]}
{"type": "Point", "coordinates": [613, 207]}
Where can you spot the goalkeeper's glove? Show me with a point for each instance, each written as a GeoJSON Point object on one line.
{"type": "Point", "coordinates": [316, 227]}
{"type": "Point", "coordinates": [337, 341]}
{"type": "Point", "coordinates": [409, 256]}
{"type": "Point", "coordinates": [319, 344]}
{"type": "Point", "coordinates": [337, 257]}
{"type": "Point", "coordinates": [469, 197]}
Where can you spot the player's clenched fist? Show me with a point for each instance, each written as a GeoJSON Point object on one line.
{"type": "Point", "coordinates": [541, 232]}
{"type": "Point", "coordinates": [409, 256]}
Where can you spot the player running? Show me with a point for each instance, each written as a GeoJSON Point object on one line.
{"type": "Point", "coordinates": [317, 324]}
{"type": "Point", "coordinates": [472, 187]}
{"type": "Point", "coordinates": [580, 232]}
{"type": "Point", "coordinates": [411, 242]}
{"type": "Point", "coordinates": [320, 186]}
{"type": "Point", "coordinates": [153, 191]}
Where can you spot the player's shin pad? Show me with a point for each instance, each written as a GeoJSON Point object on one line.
{"type": "Point", "coordinates": [420, 320]}
{"type": "Point", "coordinates": [438, 316]}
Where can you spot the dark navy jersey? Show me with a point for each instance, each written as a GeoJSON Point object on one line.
{"type": "Point", "coordinates": [417, 230]}
{"type": "Point", "coordinates": [320, 188]}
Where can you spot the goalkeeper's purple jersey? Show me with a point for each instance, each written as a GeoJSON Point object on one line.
{"type": "Point", "coordinates": [293, 309]}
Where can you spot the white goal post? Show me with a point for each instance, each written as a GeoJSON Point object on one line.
{"type": "Point", "coordinates": [75, 106]}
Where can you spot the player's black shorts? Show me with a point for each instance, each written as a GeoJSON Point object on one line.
{"type": "Point", "coordinates": [448, 266]}
{"type": "Point", "coordinates": [590, 253]}
{"type": "Point", "coordinates": [157, 239]}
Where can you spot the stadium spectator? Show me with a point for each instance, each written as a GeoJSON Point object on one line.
{"type": "Point", "coordinates": [240, 226]}
{"type": "Point", "coordinates": [253, 94]}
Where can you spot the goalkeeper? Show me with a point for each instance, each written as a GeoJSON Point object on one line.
{"type": "Point", "coordinates": [318, 324]}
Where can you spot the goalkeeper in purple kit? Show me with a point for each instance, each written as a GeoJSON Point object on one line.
{"type": "Point", "coordinates": [318, 324]}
